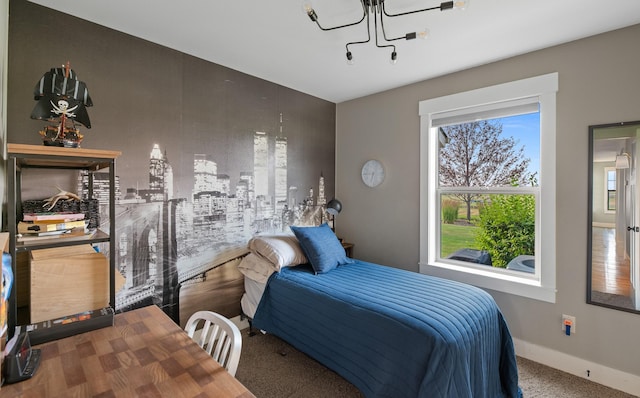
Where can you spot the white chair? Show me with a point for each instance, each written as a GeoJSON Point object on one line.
{"type": "Point", "coordinates": [218, 336]}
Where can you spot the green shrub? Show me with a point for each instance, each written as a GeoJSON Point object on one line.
{"type": "Point", "coordinates": [450, 211]}
{"type": "Point", "coordinates": [507, 227]}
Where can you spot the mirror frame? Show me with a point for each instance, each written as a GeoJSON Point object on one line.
{"type": "Point", "coordinates": [592, 131]}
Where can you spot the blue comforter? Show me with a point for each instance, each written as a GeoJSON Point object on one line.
{"type": "Point", "coordinates": [394, 333]}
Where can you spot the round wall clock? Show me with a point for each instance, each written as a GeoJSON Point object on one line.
{"type": "Point", "coordinates": [372, 173]}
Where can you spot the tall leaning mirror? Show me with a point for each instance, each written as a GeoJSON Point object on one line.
{"type": "Point", "coordinates": [613, 278]}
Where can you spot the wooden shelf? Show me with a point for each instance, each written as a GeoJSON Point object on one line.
{"type": "Point", "coordinates": [60, 157]}
{"type": "Point", "coordinates": [61, 151]}
{"type": "Point", "coordinates": [21, 157]}
{"type": "Point", "coordinates": [61, 240]}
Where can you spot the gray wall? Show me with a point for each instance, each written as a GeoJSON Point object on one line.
{"type": "Point", "coordinates": [599, 83]}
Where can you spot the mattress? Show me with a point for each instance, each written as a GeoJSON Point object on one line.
{"type": "Point", "coordinates": [393, 333]}
{"type": "Point", "coordinates": [253, 291]}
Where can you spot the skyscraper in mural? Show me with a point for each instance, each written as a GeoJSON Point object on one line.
{"type": "Point", "coordinates": [156, 174]}
{"type": "Point", "coordinates": [322, 199]}
{"type": "Point", "coordinates": [309, 199]}
{"type": "Point", "coordinates": [223, 184]}
{"type": "Point", "coordinates": [168, 178]}
{"type": "Point", "coordinates": [261, 165]}
{"type": "Point", "coordinates": [293, 197]}
{"type": "Point", "coordinates": [204, 174]}
{"type": "Point", "coordinates": [281, 189]}
{"type": "Point", "coordinates": [100, 186]}
{"type": "Point", "coordinates": [206, 199]}
{"type": "Point", "coordinates": [245, 188]}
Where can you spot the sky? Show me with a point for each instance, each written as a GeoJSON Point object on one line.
{"type": "Point", "coordinates": [525, 129]}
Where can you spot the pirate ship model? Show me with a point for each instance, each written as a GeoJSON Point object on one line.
{"type": "Point", "coordinates": [62, 100]}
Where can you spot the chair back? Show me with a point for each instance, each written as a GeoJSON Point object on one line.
{"type": "Point", "coordinates": [218, 336]}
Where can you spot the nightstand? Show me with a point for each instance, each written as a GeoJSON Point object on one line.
{"type": "Point", "coordinates": [348, 248]}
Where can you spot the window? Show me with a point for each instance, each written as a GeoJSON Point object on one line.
{"type": "Point", "coordinates": [487, 213]}
{"type": "Point", "coordinates": [610, 193]}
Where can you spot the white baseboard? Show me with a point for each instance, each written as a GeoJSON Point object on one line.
{"type": "Point", "coordinates": [603, 224]}
{"type": "Point", "coordinates": [592, 371]}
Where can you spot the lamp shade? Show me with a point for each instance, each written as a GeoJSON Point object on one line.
{"type": "Point", "coordinates": [334, 207]}
{"type": "Point", "coordinates": [622, 161]}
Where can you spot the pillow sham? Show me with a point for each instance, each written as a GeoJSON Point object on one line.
{"type": "Point", "coordinates": [322, 248]}
{"type": "Point", "coordinates": [256, 268]}
{"type": "Point", "coordinates": [279, 250]}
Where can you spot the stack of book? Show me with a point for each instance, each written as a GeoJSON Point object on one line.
{"type": "Point", "coordinates": [50, 225]}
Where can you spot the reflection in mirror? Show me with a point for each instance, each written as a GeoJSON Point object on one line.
{"type": "Point", "coordinates": [613, 276]}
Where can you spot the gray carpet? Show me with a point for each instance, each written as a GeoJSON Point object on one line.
{"type": "Point", "coordinates": [271, 368]}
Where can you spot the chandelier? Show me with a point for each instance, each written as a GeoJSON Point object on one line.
{"type": "Point", "coordinates": [377, 9]}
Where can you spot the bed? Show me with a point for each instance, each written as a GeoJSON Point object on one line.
{"type": "Point", "coordinates": [390, 332]}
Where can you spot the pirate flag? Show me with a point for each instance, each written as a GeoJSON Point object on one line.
{"type": "Point", "coordinates": [60, 93]}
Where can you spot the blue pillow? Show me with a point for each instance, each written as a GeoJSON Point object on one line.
{"type": "Point", "coordinates": [322, 248]}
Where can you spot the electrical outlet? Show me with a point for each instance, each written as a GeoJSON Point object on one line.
{"type": "Point", "coordinates": [572, 320]}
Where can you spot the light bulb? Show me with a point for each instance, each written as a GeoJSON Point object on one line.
{"type": "Point", "coordinates": [307, 7]}
{"type": "Point", "coordinates": [423, 34]}
{"type": "Point", "coordinates": [460, 4]}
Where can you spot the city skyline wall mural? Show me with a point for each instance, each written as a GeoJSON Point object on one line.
{"type": "Point", "coordinates": [210, 155]}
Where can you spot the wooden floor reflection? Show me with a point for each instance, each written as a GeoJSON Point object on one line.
{"type": "Point", "coordinates": [609, 264]}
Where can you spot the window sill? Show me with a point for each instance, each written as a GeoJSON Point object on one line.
{"type": "Point", "coordinates": [502, 282]}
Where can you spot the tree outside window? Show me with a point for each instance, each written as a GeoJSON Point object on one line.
{"type": "Point", "coordinates": [477, 160]}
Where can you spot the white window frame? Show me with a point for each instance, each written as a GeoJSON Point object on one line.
{"type": "Point", "coordinates": [606, 189]}
{"type": "Point", "coordinates": [542, 284]}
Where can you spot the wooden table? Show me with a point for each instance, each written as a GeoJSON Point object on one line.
{"type": "Point", "coordinates": [144, 354]}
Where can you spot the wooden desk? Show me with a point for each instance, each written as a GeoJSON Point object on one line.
{"type": "Point", "coordinates": [144, 354]}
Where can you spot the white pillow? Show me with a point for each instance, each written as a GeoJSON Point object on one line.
{"type": "Point", "coordinates": [256, 268]}
{"type": "Point", "coordinates": [279, 250]}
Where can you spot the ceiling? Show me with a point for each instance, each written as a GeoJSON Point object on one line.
{"type": "Point", "coordinates": [276, 41]}
{"type": "Point", "coordinates": [612, 140]}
